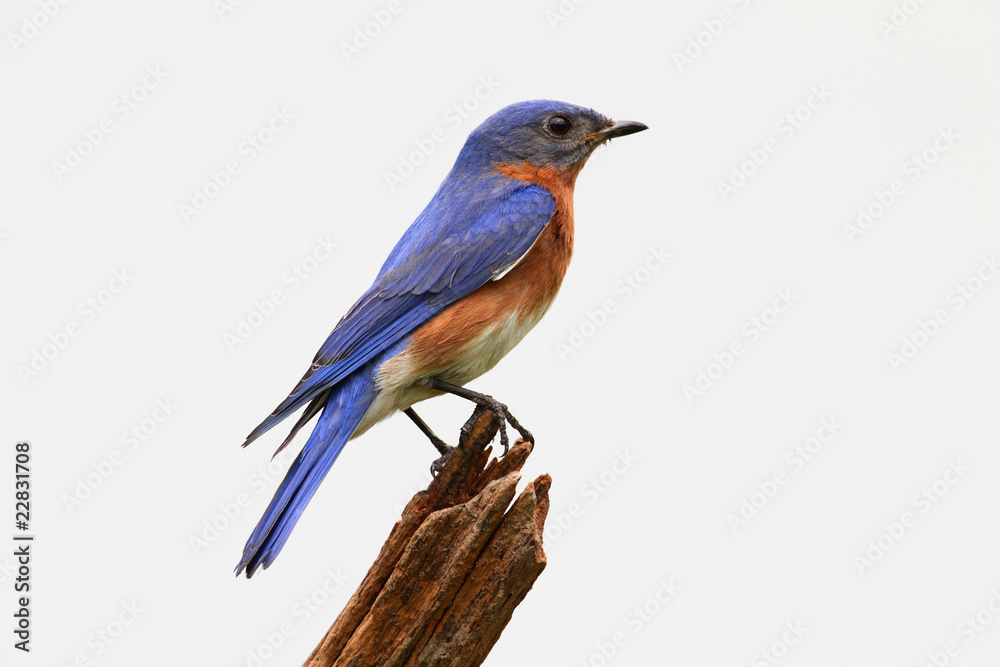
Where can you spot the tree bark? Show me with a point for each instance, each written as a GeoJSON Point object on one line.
{"type": "Point", "coordinates": [454, 567]}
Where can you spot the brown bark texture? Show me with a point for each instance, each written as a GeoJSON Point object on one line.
{"type": "Point", "coordinates": [454, 567]}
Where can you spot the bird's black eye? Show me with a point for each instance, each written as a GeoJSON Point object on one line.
{"type": "Point", "coordinates": [559, 126]}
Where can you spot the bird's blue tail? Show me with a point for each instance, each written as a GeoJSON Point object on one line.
{"type": "Point", "coordinates": [346, 406]}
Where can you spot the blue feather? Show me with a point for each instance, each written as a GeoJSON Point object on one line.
{"type": "Point", "coordinates": [343, 412]}
{"type": "Point", "coordinates": [460, 241]}
{"type": "Point", "coordinates": [478, 225]}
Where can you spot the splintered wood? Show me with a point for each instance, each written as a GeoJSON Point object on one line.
{"type": "Point", "coordinates": [454, 567]}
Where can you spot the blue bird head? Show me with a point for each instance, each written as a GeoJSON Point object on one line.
{"type": "Point", "coordinates": [545, 134]}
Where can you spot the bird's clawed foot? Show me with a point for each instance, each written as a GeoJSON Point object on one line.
{"type": "Point", "coordinates": [503, 415]}
{"type": "Point", "coordinates": [483, 402]}
{"type": "Point", "coordinates": [440, 462]}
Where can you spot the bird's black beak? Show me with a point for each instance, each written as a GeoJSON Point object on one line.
{"type": "Point", "coordinates": [619, 129]}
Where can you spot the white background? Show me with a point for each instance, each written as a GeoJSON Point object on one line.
{"type": "Point", "coordinates": [618, 395]}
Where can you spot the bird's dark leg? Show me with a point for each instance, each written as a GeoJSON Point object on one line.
{"type": "Point", "coordinates": [443, 448]}
{"type": "Point", "coordinates": [488, 402]}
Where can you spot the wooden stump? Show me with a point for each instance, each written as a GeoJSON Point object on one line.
{"type": "Point", "coordinates": [454, 567]}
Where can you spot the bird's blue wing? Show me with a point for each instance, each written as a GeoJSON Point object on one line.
{"type": "Point", "coordinates": [457, 244]}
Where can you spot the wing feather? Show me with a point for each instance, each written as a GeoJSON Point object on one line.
{"type": "Point", "coordinates": [455, 246]}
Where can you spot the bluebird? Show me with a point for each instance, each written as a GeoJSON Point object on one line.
{"type": "Point", "coordinates": [476, 270]}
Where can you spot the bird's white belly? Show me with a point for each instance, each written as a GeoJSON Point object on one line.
{"type": "Point", "coordinates": [486, 350]}
{"type": "Point", "coordinates": [396, 377]}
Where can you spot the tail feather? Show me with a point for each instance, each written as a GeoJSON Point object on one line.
{"type": "Point", "coordinates": [344, 409]}
{"type": "Point", "coordinates": [314, 407]}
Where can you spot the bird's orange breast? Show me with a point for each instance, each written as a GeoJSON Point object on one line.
{"type": "Point", "coordinates": [496, 316]}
